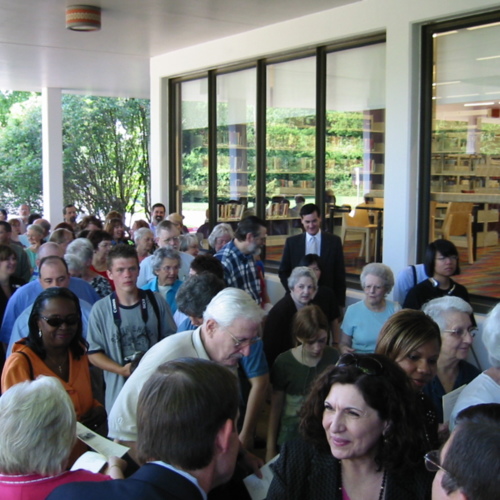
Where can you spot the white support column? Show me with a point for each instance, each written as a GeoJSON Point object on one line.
{"type": "Point", "coordinates": [401, 147]}
{"type": "Point", "coordinates": [159, 142]}
{"type": "Point", "coordinates": [52, 155]}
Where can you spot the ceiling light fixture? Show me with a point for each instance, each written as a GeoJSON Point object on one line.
{"type": "Point", "coordinates": [83, 18]}
{"type": "Point", "coordinates": [479, 104]}
{"type": "Point", "coordinates": [487, 58]}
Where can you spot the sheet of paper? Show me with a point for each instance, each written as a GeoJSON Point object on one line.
{"type": "Point", "coordinates": [98, 443]}
{"type": "Point", "coordinates": [257, 488]}
{"type": "Point", "coordinates": [90, 461]}
{"type": "Point", "coordinates": [449, 401]}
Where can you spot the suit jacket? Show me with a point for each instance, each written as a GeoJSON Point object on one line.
{"type": "Point", "coordinates": [332, 262]}
{"type": "Point", "coordinates": [151, 482]}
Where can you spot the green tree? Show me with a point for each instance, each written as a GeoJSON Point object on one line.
{"type": "Point", "coordinates": [106, 153]}
{"type": "Point", "coordinates": [21, 155]}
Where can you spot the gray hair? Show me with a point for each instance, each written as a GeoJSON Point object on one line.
{"type": "Point", "coordinates": [218, 231]}
{"type": "Point", "coordinates": [196, 293]}
{"type": "Point", "coordinates": [187, 240]}
{"type": "Point", "coordinates": [380, 271]}
{"type": "Point", "coordinates": [302, 272]}
{"type": "Point", "coordinates": [81, 248]}
{"type": "Point", "coordinates": [140, 233]}
{"type": "Point", "coordinates": [231, 304]}
{"type": "Point", "coordinates": [76, 266]}
{"type": "Point", "coordinates": [37, 228]}
{"type": "Point", "coordinates": [437, 309]}
{"type": "Point", "coordinates": [37, 427]}
{"type": "Point", "coordinates": [491, 336]}
{"type": "Point", "coordinates": [164, 253]}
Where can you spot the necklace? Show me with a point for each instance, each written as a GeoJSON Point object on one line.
{"type": "Point", "coordinates": [60, 366]}
{"type": "Point", "coordinates": [382, 486]}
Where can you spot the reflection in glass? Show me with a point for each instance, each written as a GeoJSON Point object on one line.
{"type": "Point", "coordinates": [193, 148]}
{"type": "Point", "coordinates": [465, 149]}
{"type": "Point", "coordinates": [355, 149]}
{"type": "Point", "coordinates": [290, 148]}
{"type": "Point", "coordinates": [236, 105]}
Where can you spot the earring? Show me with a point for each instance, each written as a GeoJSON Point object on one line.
{"type": "Point", "coordinates": [40, 333]}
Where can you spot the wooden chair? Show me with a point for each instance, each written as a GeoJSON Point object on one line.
{"type": "Point", "coordinates": [359, 224]}
{"type": "Point", "coordinates": [457, 226]}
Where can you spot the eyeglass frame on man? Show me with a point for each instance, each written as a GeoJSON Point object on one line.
{"type": "Point", "coordinates": [241, 343]}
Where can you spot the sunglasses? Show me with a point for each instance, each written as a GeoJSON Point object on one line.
{"type": "Point", "coordinates": [367, 364]}
{"type": "Point", "coordinates": [57, 321]}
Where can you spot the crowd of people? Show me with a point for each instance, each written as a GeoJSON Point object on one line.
{"type": "Point", "coordinates": [172, 349]}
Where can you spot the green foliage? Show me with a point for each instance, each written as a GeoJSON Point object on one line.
{"type": "Point", "coordinates": [21, 155]}
{"type": "Point", "coordinates": [106, 156]}
{"type": "Point", "coordinates": [105, 152]}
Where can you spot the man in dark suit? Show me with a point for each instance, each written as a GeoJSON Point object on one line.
{"type": "Point", "coordinates": [328, 246]}
{"type": "Point", "coordinates": [187, 436]}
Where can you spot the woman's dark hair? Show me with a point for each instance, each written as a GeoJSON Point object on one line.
{"type": "Point", "coordinates": [311, 258]}
{"type": "Point", "coordinates": [95, 237]}
{"type": "Point", "coordinates": [6, 252]}
{"type": "Point", "coordinates": [208, 263]}
{"type": "Point", "coordinates": [111, 224]}
{"type": "Point", "coordinates": [445, 248]}
{"type": "Point", "coordinates": [78, 345]}
{"type": "Point", "coordinates": [389, 393]}
{"type": "Point", "coordinates": [90, 219]}
{"type": "Point", "coordinates": [4, 212]}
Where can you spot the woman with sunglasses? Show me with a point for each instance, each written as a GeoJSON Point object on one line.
{"type": "Point", "coordinates": [361, 437]}
{"type": "Point", "coordinates": [413, 340]}
{"type": "Point", "coordinates": [55, 347]}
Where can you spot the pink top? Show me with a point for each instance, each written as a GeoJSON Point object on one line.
{"type": "Point", "coordinates": [36, 487]}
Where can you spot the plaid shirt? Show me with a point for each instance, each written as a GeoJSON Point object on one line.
{"type": "Point", "coordinates": [240, 270]}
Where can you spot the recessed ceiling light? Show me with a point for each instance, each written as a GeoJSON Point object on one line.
{"type": "Point", "coordinates": [487, 58]}
{"type": "Point", "coordinates": [437, 84]}
{"type": "Point", "coordinates": [489, 25]}
{"type": "Point", "coordinates": [479, 104]}
{"type": "Point", "coordinates": [436, 35]}
{"type": "Point", "coordinates": [463, 95]}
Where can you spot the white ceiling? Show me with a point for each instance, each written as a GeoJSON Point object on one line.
{"type": "Point", "coordinates": [37, 51]}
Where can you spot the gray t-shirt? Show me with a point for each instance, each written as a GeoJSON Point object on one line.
{"type": "Point", "coordinates": [132, 337]}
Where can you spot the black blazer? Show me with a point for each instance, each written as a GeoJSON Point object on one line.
{"type": "Point", "coordinates": [332, 262]}
{"type": "Point", "coordinates": [151, 482]}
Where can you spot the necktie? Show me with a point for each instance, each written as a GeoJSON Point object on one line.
{"type": "Point", "coordinates": [314, 245]}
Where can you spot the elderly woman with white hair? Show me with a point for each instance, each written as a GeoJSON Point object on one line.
{"type": "Point", "coordinates": [220, 236]}
{"type": "Point", "coordinates": [144, 240]}
{"type": "Point", "coordinates": [190, 244]}
{"type": "Point", "coordinates": [78, 257]}
{"type": "Point", "coordinates": [485, 388]}
{"type": "Point", "coordinates": [364, 319]}
{"type": "Point", "coordinates": [166, 263]}
{"type": "Point", "coordinates": [277, 337]}
{"type": "Point", "coordinates": [454, 318]}
{"type": "Point", "coordinates": [37, 434]}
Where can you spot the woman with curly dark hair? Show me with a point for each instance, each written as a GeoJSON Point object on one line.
{"type": "Point", "coordinates": [361, 437]}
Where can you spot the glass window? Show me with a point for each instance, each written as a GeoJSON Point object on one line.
{"type": "Point", "coordinates": [236, 108]}
{"type": "Point", "coordinates": [291, 148]}
{"type": "Point", "coordinates": [192, 191]}
{"type": "Point", "coordinates": [355, 146]}
{"type": "Point", "coordinates": [465, 150]}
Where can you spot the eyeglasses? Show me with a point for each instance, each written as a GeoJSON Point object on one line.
{"type": "Point", "coordinates": [56, 322]}
{"type": "Point", "coordinates": [432, 462]}
{"type": "Point", "coordinates": [367, 364]}
{"type": "Point", "coordinates": [462, 332]}
{"type": "Point", "coordinates": [448, 257]}
{"type": "Point", "coordinates": [242, 343]}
